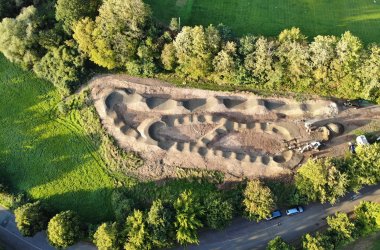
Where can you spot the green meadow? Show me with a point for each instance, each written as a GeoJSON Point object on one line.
{"type": "Point", "coordinates": [269, 17]}
{"type": "Point", "coordinates": [47, 157]}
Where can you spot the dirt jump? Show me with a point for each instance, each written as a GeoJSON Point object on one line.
{"type": "Point", "coordinates": [239, 134]}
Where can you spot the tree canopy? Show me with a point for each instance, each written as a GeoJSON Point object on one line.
{"type": "Point", "coordinates": [64, 229]}
{"type": "Point", "coordinates": [278, 244]}
{"type": "Point", "coordinates": [71, 11]}
{"type": "Point", "coordinates": [19, 38]}
{"type": "Point", "coordinates": [30, 218]}
{"type": "Point", "coordinates": [258, 200]}
{"type": "Point", "coordinates": [321, 180]}
{"type": "Point", "coordinates": [113, 39]}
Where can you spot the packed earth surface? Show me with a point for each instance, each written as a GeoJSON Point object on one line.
{"type": "Point", "coordinates": [239, 134]}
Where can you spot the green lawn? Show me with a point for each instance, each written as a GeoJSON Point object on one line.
{"type": "Point", "coordinates": [49, 158]}
{"type": "Point", "coordinates": [269, 17]}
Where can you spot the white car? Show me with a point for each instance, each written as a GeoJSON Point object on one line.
{"type": "Point", "coordinates": [362, 140]}
{"type": "Point", "coordinates": [294, 211]}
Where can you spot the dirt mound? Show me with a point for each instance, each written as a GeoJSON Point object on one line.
{"type": "Point", "coordinates": [240, 134]}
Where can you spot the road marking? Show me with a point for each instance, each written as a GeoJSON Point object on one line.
{"type": "Point", "coordinates": [18, 237]}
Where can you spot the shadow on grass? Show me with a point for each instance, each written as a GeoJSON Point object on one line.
{"type": "Point", "coordinates": [44, 156]}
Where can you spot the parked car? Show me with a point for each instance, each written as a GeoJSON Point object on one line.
{"type": "Point", "coordinates": [357, 103]}
{"type": "Point", "coordinates": [362, 140]}
{"type": "Point", "coordinates": [295, 210]}
{"type": "Point", "coordinates": [274, 215]}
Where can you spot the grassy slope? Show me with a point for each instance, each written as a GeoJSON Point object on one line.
{"type": "Point", "coordinates": [269, 17]}
{"type": "Point", "coordinates": [48, 158]}
{"type": "Point", "coordinates": [371, 242]}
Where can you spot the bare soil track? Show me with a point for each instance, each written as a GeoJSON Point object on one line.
{"type": "Point", "coordinates": [239, 134]}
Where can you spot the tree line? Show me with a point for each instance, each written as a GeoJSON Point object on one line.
{"type": "Point", "coordinates": [63, 42]}
{"type": "Point", "coordinates": [150, 222]}
{"type": "Point", "coordinates": [341, 230]}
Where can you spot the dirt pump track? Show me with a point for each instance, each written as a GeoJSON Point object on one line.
{"type": "Point", "coordinates": [239, 134]}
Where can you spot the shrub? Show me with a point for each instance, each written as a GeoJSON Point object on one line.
{"type": "Point", "coordinates": [279, 244]}
{"type": "Point", "coordinates": [64, 229]}
{"type": "Point", "coordinates": [30, 218]}
{"type": "Point", "coordinates": [367, 217]}
{"type": "Point", "coordinates": [62, 66]}
{"type": "Point", "coordinates": [8, 200]}
{"type": "Point", "coordinates": [188, 209]}
{"type": "Point", "coordinates": [106, 237]}
{"type": "Point", "coordinates": [218, 212]}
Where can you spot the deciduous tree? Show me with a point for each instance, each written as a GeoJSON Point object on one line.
{"type": "Point", "coordinates": [278, 244]}
{"type": "Point", "coordinates": [364, 167]}
{"type": "Point", "coordinates": [322, 53]}
{"type": "Point", "coordinates": [319, 242]}
{"type": "Point", "coordinates": [63, 66]}
{"type": "Point", "coordinates": [340, 228]}
{"type": "Point", "coordinates": [71, 11]}
{"type": "Point", "coordinates": [321, 180]}
{"type": "Point", "coordinates": [367, 217]}
{"type": "Point", "coordinates": [112, 40]}
{"type": "Point", "coordinates": [19, 38]}
{"type": "Point", "coordinates": [258, 200]}
{"type": "Point", "coordinates": [195, 50]}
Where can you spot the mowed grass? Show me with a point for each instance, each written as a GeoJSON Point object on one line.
{"type": "Point", "coordinates": [269, 17]}
{"type": "Point", "coordinates": [48, 158]}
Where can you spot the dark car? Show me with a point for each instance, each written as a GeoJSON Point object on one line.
{"type": "Point", "coordinates": [357, 103]}
{"type": "Point", "coordinates": [274, 215]}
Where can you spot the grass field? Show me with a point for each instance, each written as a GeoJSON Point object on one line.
{"type": "Point", "coordinates": [49, 158]}
{"type": "Point", "coordinates": [269, 17]}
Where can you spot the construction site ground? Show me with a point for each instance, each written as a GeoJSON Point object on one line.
{"type": "Point", "coordinates": [239, 134]}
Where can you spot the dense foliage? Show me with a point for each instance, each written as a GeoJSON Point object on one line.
{"type": "Point", "coordinates": [122, 35]}
{"type": "Point", "coordinates": [279, 244]}
{"type": "Point", "coordinates": [31, 218]}
{"type": "Point", "coordinates": [62, 66]}
{"type": "Point", "coordinates": [64, 229]}
{"type": "Point", "coordinates": [19, 39]}
{"type": "Point", "coordinates": [188, 209]}
{"type": "Point", "coordinates": [106, 237]}
{"type": "Point", "coordinates": [258, 200]}
{"type": "Point", "coordinates": [321, 180]}
{"type": "Point", "coordinates": [71, 11]}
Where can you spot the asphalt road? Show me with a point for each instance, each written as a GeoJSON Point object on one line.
{"type": "Point", "coordinates": [243, 234]}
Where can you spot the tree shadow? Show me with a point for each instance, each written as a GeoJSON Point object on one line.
{"type": "Point", "coordinates": [45, 156]}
